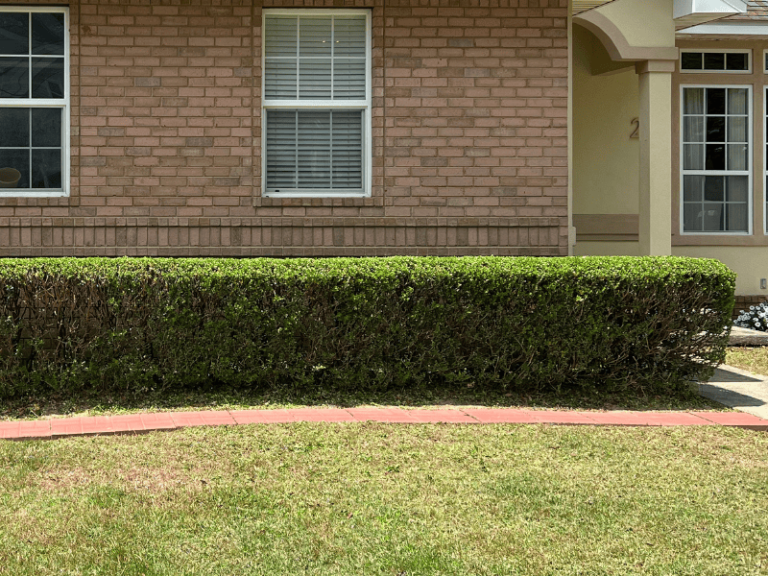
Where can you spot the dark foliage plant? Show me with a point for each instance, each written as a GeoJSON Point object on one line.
{"type": "Point", "coordinates": [139, 324]}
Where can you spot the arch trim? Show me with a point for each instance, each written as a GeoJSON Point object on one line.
{"type": "Point", "coordinates": [616, 43]}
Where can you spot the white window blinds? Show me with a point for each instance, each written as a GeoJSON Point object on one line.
{"type": "Point", "coordinates": [314, 150]}
{"type": "Point", "coordinates": [315, 103]}
{"type": "Point", "coordinates": [315, 58]}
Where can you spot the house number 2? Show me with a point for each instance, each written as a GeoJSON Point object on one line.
{"type": "Point", "coordinates": [636, 132]}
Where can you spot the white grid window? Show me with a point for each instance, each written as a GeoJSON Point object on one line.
{"type": "Point", "coordinates": [34, 101]}
{"type": "Point", "coordinates": [714, 61]}
{"type": "Point", "coordinates": [316, 103]}
{"type": "Point", "coordinates": [716, 186]}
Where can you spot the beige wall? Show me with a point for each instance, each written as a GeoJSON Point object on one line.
{"type": "Point", "coordinates": [749, 262]}
{"type": "Point", "coordinates": [607, 249]}
{"type": "Point", "coordinates": [605, 158]}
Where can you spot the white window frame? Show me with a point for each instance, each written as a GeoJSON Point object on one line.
{"type": "Point", "coordinates": [764, 64]}
{"type": "Point", "coordinates": [63, 104]}
{"type": "Point", "coordinates": [364, 105]}
{"type": "Point", "coordinates": [746, 51]}
{"type": "Point", "coordinates": [749, 172]}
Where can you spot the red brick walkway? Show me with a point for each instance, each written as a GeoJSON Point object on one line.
{"type": "Point", "coordinates": [134, 423]}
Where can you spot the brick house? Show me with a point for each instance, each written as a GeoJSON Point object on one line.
{"type": "Point", "coordinates": [459, 111]}
{"type": "Point", "coordinates": [379, 127]}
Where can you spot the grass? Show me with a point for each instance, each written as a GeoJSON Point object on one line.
{"type": "Point", "coordinates": [377, 499]}
{"type": "Point", "coordinates": [750, 359]}
{"type": "Point", "coordinates": [90, 404]}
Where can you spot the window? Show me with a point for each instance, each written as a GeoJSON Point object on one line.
{"type": "Point", "coordinates": [708, 61]}
{"type": "Point", "coordinates": [34, 101]}
{"type": "Point", "coordinates": [716, 185]}
{"type": "Point", "coordinates": [316, 103]}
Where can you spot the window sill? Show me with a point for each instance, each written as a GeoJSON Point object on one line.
{"type": "Point", "coordinates": [338, 201]}
{"type": "Point", "coordinates": [33, 194]}
{"type": "Point", "coordinates": [757, 239]}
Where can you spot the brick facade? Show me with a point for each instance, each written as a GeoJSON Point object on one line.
{"type": "Point", "coordinates": [469, 135]}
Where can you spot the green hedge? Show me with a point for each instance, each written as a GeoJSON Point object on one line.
{"type": "Point", "coordinates": [371, 323]}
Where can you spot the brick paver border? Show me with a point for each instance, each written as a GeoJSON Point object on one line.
{"type": "Point", "coordinates": [135, 423]}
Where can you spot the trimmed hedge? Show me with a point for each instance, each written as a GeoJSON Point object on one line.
{"type": "Point", "coordinates": [135, 324]}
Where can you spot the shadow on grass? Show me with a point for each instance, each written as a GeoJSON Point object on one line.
{"type": "Point", "coordinates": [238, 399]}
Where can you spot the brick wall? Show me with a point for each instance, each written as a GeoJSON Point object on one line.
{"type": "Point", "coordinates": [469, 134]}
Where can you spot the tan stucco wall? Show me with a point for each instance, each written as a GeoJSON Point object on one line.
{"type": "Point", "coordinates": [749, 262]}
{"type": "Point", "coordinates": [605, 158]}
{"type": "Point", "coordinates": [607, 249]}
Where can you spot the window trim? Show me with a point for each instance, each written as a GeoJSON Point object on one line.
{"type": "Point", "coordinates": [365, 105]}
{"type": "Point", "coordinates": [746, 51]}
{"type": "Point", "coordinates": [750, 159]}
{"type": "Point", "coordinates": [63, 104]}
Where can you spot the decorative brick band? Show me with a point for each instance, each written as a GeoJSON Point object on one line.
{"type": "Point", "coordinates": [25, 237]}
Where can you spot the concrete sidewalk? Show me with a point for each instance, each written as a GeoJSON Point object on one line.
{"type": "Point", "coordinates": [738, 389]}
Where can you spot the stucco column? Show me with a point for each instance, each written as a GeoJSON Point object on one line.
{"type": "Point", "coordinates": [655, 157]}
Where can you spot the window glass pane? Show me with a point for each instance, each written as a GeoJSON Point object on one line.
{"type": "Point", "coordinates": [713, 218]}
{"type": "Point", "coordinates": [349, 37]}
{"type": "Point", "coordinates": [737, 218]}
{"type": "Point", "coordinates": [349, 79]}
{"type": "Point", "coordinates": [315, 37]}
{"type": "Point", "coordinates": [714, 188]}
{"type": "Point", "coordinates": [14, 128]}
{"type": "Point", "coordinates": [693, 129]}
{"type": "Point", "coordinates": [693, 100]}
{"type": "Point", "coordinates": [737, 129]}
{"type": "Point", "coordinates": [280, 79]}
{"type": "Point", "coordinates": [737, 156]}
{"type": "Point", "coordinates": [693, 157]}
{"type": "Point", "coordinates": [281, 149]}
{"type": "Point", "coordinates": [46, 169]}
{"type": "Point", "coordinates": [736, 62]}
{"type": "Point", "coordinates": [693, 187]}
{"type": "Point", "coordinates": [314, 149]}
{"type": "Point", "coordinates": [14, 33]}
{"type": "Point", "coordinates": [714, 61]}
{"type": "Point", "coordinates": [716, 101]}
{"type": "Point", "coordinates": [715, 129]}
{"type": "Point", "coordinates": [692, 217]}
{"type": "Point", "coordinates": [736, 189]}
{"type": "Point", "coordinates": [315, 79]}
{"type": "Point", "coordinates": [347, 149]}
{"type": "Point", "coordinates": [48, 33]}
{"type": "Point", "coordinates": [280, 36]}
{"type": "Point", "coordinates": [691, 60]}
{"type": "Point", "coordinates": [47, 78]}
{"type": "Point", "coordinates": [737, 101]}
{"type": "Point", "coordinates": [715, 158]}
{"type": "Point", "coordinates": [14, 77]}
{"type": "Point", "coordinates": [14, 160]}
{"type": "Point", "coordinates": [46, 127]}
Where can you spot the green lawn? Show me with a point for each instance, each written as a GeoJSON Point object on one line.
{"type": "Point", "coordinates": [156, 401]}
{"type": "Point", "coordinates": [753, 359]}
{"type": "Point", "coordinates": [360, 499]}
